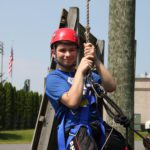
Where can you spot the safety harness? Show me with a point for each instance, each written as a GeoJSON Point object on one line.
{"type": "Point", "coordinates": [63, 144]}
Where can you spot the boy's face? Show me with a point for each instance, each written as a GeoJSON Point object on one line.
{"type": "Point", "coordinates": [66, 55]}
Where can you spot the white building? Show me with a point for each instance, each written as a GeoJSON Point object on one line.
{"type": "Point", "coordinates": [142, 98]}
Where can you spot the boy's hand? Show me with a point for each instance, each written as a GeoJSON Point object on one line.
{"type": "Point", "coordinates": [89, 50]}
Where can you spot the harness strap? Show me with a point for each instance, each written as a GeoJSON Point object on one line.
{"type": "Point", "coordinates": [62, 145]}
{"type": "Point", "coordinates": [61, 135]}
{"type": "Point", "coordinates": [73, 132]}
{"type": "Point", "coordinates": [102, 136]}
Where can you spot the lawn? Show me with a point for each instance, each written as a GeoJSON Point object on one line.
{"type": "Point", "coordinates": [25, 136]}
{"type": "Point", "coordinates": [137, 138]}
{"type": "Point", "coordinates": [16, 136]}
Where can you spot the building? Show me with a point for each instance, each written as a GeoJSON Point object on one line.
{"type": "Point", "coordinates": [142, 99]}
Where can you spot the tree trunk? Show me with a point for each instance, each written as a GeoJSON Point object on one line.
{"type": "Point", "coordinates": [121, 56]}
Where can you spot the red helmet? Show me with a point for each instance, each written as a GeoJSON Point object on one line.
{"type": "Point", "coordinates": [64, 34]}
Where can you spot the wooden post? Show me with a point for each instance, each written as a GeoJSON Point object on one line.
{"type": "Point", "coordinates": [121, 58]}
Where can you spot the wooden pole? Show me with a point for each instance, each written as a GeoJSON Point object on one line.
{"type": "Point", "coordinates": [121, 56]}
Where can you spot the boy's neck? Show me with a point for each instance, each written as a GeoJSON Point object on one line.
{"type": "Point", "coordinates": [66, 69]}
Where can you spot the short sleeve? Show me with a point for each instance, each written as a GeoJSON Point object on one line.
{"type": "Point", "coordinates": [56, 86]}
{"type": "Point", "coordinates": [96, 78]}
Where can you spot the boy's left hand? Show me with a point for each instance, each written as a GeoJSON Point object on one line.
{"type": "Point", "coordinates": [89, 50]}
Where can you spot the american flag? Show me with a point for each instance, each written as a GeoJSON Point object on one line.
{"type": "Point", "coordinates": [10, 65]}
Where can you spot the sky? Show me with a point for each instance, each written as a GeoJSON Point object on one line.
{"type": "Point", "coordinates": [27, 26]}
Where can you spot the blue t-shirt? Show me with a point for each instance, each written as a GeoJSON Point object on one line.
{"type": "Point", "coordinates": [57, 83]}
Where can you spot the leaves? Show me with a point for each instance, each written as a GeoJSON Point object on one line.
{"type": "Point", "coordinates": [18, 109]}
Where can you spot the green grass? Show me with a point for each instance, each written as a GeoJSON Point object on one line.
{"type": "Point", "coordinates": [16, 136]}
{"type": "Point", "coordinates": [137, 138]}
{"type": "Point", "coordinates": [25, 136]}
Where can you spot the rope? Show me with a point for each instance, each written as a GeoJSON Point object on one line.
{"type": "Point", "coordinates": [107, 139]}
{"type": "Point", "coordinates": [118, 116]}
{"type": "Point", "coordinates": [87, 35]}
{"type": "Point", "coordinates": [87, 32]}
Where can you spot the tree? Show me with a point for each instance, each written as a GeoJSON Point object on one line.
{"type": "Point", "coordinates": [28, 110]}
{"type": "Point", "coordinates": [2, 106]}
{"type": "Point", "coordinates": [9, 106]}
{"type": "Point", "coordinates": [18, 109]}
{"type": "Point", "coordinates": [34, 109]}
{"type": "Point", "coordinates": [121, 56]}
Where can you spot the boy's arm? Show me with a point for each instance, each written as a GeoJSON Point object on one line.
{"type": "Point", "coordinates": [72, 98]}
{"type": "Point", "coordinates": [107, 80]}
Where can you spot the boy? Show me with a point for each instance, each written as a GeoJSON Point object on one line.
{"type": "Point", "coordinates": [79, 122]}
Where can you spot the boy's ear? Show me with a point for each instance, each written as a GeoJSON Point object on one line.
{"type": "Point", "coordinates": [53, 53]}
